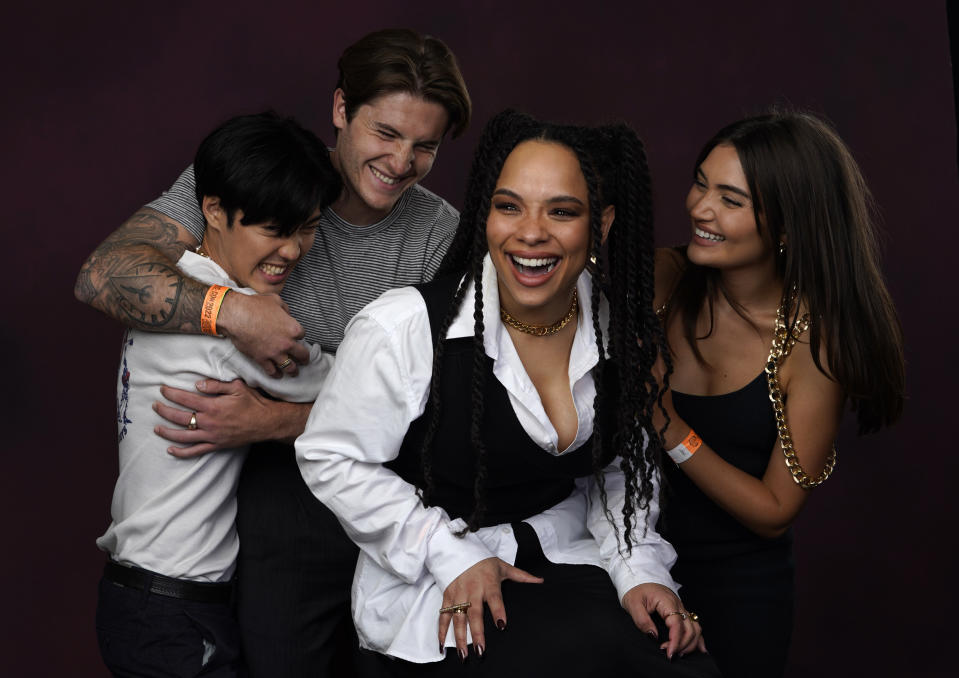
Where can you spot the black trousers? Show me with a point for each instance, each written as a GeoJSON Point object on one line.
{"type": "Point", "coordinates": [294, 573]}
{"type": "Point", "coordinates": [146, 635]}
{"type": "Point", "coordinates": [570, 625]}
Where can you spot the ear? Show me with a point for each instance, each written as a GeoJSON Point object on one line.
{"type": "Point", "coordinates": [606, 221]}
{"type": "Point", "coordinates": [339, 109]}
{"type": "Point", "coordinates": [214, 213]}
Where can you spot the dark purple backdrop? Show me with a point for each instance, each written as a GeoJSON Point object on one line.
{"type": "Point", "coordinates": [104, 105]}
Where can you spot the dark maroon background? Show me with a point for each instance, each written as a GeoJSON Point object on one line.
{"type": "Point", "coordinates": [105, 102]}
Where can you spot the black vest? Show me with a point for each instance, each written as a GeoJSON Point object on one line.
{"type": "Point", "coordinates": [522, 479]}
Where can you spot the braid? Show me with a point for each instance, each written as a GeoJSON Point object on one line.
{"type": "Point", "coordinates": [465, 257]}
{"type": "Point", "coordinates": [426, 457]}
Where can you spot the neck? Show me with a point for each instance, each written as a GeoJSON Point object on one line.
{"type": "Point", "coordinates": [542, 329]}
{"type": "Point", "coordinates": [756, 289]}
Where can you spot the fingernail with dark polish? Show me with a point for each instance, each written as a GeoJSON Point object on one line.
{"type": "Point", "coordinates": [480, 650]}
{"type": "Point", "coordinates": [652, 634]}
{"type": "Point", "coordinates": [462, 653]}
{"type": "Point", "coordinates": [500, 624]}
{"type": "Point", "coordinates": [442, 649]}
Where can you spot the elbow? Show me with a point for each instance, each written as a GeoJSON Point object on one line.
{"type": "Point", "coordinates": [83, 289]}
{"type": "Point", "coordinates": [770, 531]}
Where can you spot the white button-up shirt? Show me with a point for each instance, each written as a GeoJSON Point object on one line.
{"type": "Point", "coordinates": [409, 554]}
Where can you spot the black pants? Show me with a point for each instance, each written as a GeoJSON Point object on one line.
{"type": "Point", "coordinates": [570, 625]}
{"type": "Point", "coordinates": [146, 635]}
{"type": "Point", "coordinates": [294, 573]}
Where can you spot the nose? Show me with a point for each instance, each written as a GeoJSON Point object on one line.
{"type": "Point", "coordinates": [532, 228]}
{"type": "Point", "coordinates": [401, 159]}
{"type": "Point", "coordinates": [699, 205]}
{"type": "Point", "coordinates": [291, 247]}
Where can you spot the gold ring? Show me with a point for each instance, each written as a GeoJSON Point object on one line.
{"type": "Point", "coordinates": [693, 616]}
{"type": "Point", "coordinates": [682, 614]}
{"type": "Point", "coordinates": [286, 362]}
{"type": "Point", "coordinates": [458, 608]}
{"type": "Point", "coordinates": [192, 425]}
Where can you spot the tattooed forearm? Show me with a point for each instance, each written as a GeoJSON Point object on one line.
{"type": "Point", "coordinates": [131, 276]}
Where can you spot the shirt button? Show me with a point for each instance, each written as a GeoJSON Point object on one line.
{"type": "Point", "coordinates": [506, 530]}
{"type": "Point", "coordinates": [551, 447]}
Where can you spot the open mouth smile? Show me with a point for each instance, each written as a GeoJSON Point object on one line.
{"type": "Point", "coordinates": [706, 235]}
{"type": "Point", "coordinates": [273, 269]}
{"type": "Point", "coordinates": [534, 266]}
{"type": "Point", "coordinates": [385, 178]}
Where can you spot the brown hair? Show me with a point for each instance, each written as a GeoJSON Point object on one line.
{"type": "Point", "coordinates": [402, 60]}
{"type": "Point", "coordinates": [808, 191]}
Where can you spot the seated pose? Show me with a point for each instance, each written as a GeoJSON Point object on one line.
{"type": "Point", "coordinates": [165, 598]}
{"type": "Point", "coordinates": [782, 254]}
{"type": "Point", "coordinates": [494, 427]}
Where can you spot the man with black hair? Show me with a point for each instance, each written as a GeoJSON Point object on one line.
{"type": "Point", "coordinates": [398, 95]}
{"type": "Point", "coordinates": [165, 596]}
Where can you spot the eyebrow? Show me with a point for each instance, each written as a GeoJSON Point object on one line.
{"type": "Point", "coordinates": [725, 187]}
{"type": "Point", "coordinates": [549, 201]}
{"type": "Point", "coordinates": [383, 127]}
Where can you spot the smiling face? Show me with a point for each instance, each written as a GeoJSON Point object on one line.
{"type": "Point", "coordinates": [388, 146]}
{"type": "Point", "coordinates": [254, 255]}
{"type": "Point", "coordinates": [725, 234]}
{"type": "Point", "coordinates": [538, 230]}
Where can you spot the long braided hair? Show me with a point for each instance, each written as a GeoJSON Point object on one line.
{"type": "Point", "coordinates": [613, 162]}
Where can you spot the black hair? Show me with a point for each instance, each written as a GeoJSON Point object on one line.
{"type": "Point", "coordinates": [613, 162]}
{"type": "Point", "coordinates": [270, 167]}
{"type": "Point", "coordinates": [808, 193]}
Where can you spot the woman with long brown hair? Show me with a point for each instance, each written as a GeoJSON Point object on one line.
{"type": "Point", "coordinates": [777, 316]}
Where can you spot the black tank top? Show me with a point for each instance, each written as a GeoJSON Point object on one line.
{"type": "Point", "coordinates": [522, 480]}
{"type": "Point", "coordinates": [741, 428]}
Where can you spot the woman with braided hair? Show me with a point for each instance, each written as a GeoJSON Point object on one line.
{"type": "Point", "coordinates": [483, 438]}
{"type": "Point", "coordinates": [783, 254]}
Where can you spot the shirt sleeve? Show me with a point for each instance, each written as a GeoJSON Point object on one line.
{"type": "Point", "coordinates": [444, 230]}
{"type": "Point", "coordinates": [378, 385]}
{"type": "Point", "coordinates": [651, 557]}
{"type": "Point", "coordinates": [180, 204]}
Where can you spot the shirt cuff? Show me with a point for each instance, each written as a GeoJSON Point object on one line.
{"type": "Point", "coordinates": [647, 567]}
{"type": "Point", "coordinates": [449, 556]}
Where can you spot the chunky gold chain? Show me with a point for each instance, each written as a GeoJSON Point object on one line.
{"type": "Point", "coordinates": [783, 341]}
{"type": "Point", "coordinates": [542, 330]}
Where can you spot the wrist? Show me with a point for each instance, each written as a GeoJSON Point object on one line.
{"type": "Point", "coordinates": [288, 420]}
{"type": "Point", "coordinates": [686, 448]}
{"type": "Point", "coordinates": [229, 314]}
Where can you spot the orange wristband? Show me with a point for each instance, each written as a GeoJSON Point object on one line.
{"type": "Point", "coordinates": [211, 308]}
{"type": "Point", "coordinates": [686, 449]}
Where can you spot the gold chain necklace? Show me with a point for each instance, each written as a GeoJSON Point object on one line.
{"type": "Point", "coordinates": [783, 341]}
{"type": "Point", "coordinates": [541, 330]}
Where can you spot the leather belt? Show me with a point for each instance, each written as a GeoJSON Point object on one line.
{"type": "Point", "coordinates": [144, 580]}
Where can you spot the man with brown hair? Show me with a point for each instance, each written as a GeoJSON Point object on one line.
{"type": "Point", "coordinates": [398, 95]}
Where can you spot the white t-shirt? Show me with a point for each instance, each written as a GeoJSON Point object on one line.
{"type": "Point", "coordinates": [176, 516]}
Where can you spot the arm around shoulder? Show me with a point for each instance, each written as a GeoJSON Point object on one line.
{"type": "Point", "coordinates": [132, 276]}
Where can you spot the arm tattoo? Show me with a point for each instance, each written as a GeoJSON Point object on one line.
{"type": "Point", "coordinates": [132, 278]}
